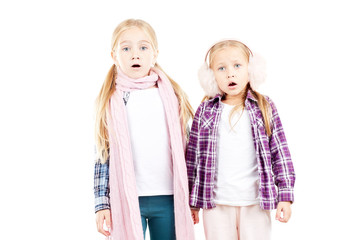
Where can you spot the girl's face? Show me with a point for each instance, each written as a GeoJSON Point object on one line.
{"type": "Point", "coordinates": [230, 66]}
{"type": "Point", "coordinates": [134, 54]}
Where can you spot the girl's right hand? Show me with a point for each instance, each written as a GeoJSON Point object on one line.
{"type": "Point", "coordinates": [101, 216]}
{"type": "Point", "coordinates": [195, 215]}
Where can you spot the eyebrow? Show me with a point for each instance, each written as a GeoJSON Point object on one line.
{"type": "Point", "coordinates": [238, 61]}
{"type": "Point", "coordinates": [141, 41]}
{"type": "Point", "coordinates": [219, 64]}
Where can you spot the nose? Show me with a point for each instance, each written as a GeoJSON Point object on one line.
{"type": "Point", "coordinates": [230, 73]}
{"type": "Point", "coordinates": [135, 55]}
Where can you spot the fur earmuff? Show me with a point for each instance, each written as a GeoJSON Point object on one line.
{"type": "Point", "coordinates": [207, 81]}
{"type": "Point", "coordinates": [257, 71]}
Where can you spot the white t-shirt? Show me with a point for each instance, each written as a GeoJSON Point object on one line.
{"type": "Point", "coordinates": [237, 178]}
{"type": "Point", "coordinates": [150, 143]}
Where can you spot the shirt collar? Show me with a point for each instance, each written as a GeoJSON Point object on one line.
{"type": "Point", "coordinates": [251, 96]}
{"type": "Point", "coordinates": [218, 97]}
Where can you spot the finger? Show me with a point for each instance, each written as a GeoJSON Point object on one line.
{"type": "Point", "coordinates": [196, 217]}
{"type": "Point", "coordinates": [98, 222]}
{"type": "Point", "coordinates": [100, 227]}
{"type": "Point", "coordinates": [287, 214]}
{"type": "Point", "coordinates": [278, 213]}
{"type": "Point", "coordinates": [193, 217]}
{"type": "Point", "coordinates": [104, 232]}
{"type": "Point", "coordinates": [108, 220]}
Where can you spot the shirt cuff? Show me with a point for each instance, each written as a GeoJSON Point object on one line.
{"type": "Point", "coordinates": [286, 195]}
{"type": "Point", "coordinates": [102, 203]}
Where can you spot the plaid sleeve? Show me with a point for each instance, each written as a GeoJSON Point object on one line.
{"type": "Point", "coordinates": [192, 147]}
{"type": "Point", "coordinates": [101, 186]}
{"type": "Point", "coordinates": [282, 165]}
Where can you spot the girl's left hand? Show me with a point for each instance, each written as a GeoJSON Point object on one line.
{"type": "Point", "coordinates": [195, 215]}
{"type": "Point", "coordinates": [285, 208]}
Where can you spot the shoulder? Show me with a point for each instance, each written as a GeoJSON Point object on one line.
{"type": "Point", "coordinates": [271, 103]}
{"type": "Point", "coordinates": [254, 104]}
{"type": "Point", "coordinates": [207, 107]}
{"type": "Point", "coordinates": [212, 102]}
{"type": "Point", "coordinates": [269, 100]}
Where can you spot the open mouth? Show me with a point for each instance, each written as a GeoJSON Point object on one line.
{"type": "Point", "coordinates": [136, 66]}
{"type": "Point", "coordinates": [232, 84]}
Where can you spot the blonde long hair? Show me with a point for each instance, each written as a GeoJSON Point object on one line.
{"type": "Point", "coordinates": [262, 102]}
{"type": "Point", "coordinates": [108, 88]}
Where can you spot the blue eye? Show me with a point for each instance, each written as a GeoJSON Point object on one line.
{"type": "Point", "coordinates": [143, 48]}
{"type": "Point", "coordinates": [237, 65]}
{"type": "Point", "coordinates": [221, 68]}
{"type": "Point", "coordinates": [126, 49]}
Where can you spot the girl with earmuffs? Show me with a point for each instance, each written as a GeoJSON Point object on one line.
{"type": "Point", "coordinates": [236, 145]}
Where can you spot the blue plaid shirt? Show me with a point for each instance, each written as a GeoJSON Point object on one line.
{"type": "Point", "coordinates": [101, 179]}
{"type": "Point", "coordinates": [101, 186]}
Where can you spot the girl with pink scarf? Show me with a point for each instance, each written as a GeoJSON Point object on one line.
{"type": "Point", "coordinates": [140, 177]}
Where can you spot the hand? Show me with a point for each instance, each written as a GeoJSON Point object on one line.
{"type": "Point", "coordinates": [100, 217]}
{"type": "Point", "coordinates": [195, 215]}
{"type": "Point", "coordinates": [285, 208]}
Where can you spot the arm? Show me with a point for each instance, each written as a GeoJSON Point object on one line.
{"type": "Point", "coordinates": [192, 156]}
{"type": "Point", "coordinates": [192, 148]}
{"type": "Point", "coordinates": [101, 186]}
{"type": "Point", "coordinates": [101, 191]}
{"type": "Point", "coordinates": [282, 165]}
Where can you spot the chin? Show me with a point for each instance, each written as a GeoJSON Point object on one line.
{"type": "Point", "coordinates": [233, 92]}
{"type": "Point", "coordinates": [138, 75]}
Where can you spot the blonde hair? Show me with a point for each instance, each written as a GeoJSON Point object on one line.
{"type": "Point", "coordinates": [262, 102]}
{"type": "Point", "coordinates": [108, 88]}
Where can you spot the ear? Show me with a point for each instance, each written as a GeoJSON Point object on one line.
{"type": "Point", "coordinates": [156, 53]}
{"type": "Point", "coordinates": [113, 56]}
{"type": "Point", "coordinates": [207, 81]}
{"type": "Point", "coordinates": [257, 71]}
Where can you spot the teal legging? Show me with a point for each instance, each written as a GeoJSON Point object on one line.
{"type": "Point", "coordinates": [158, 212]}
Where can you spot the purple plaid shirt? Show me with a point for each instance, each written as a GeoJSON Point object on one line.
{"type": "Point", "coordinates": [272, 154]}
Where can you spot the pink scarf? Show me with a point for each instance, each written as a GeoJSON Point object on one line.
{"type": "Point", "coordinates": [125, 212]}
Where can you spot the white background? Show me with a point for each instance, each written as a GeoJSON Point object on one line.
{"type": "Point", "coordinates": [54, 56]}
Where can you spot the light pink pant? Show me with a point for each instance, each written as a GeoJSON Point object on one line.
{"type": "Point", "coordinates": [234, 223]}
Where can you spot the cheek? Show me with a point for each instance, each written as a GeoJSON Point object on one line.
{"type": "Point", "coordinates": [152, 58]}
{"type": "Point", "coordinates": [118, 60]}
{"type": "Point", "coordinates": [122, 60]}
{"type": "Point", "coordinates": [219, 75]}
{"type": "Point", "coordinates": [221, 83]}
{"type": "Point", "coordinates": [244, 75]}
{"type": "Point", "coordinates": [219, 79]}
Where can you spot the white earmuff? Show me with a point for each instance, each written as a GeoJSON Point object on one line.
{"type": "Point", "coordinates": [207, 81]}
{"type": "Point", "coordinates": [256, 70]}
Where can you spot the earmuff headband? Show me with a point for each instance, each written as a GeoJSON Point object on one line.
{"type": "Point", "coordinates": [224, 40]}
